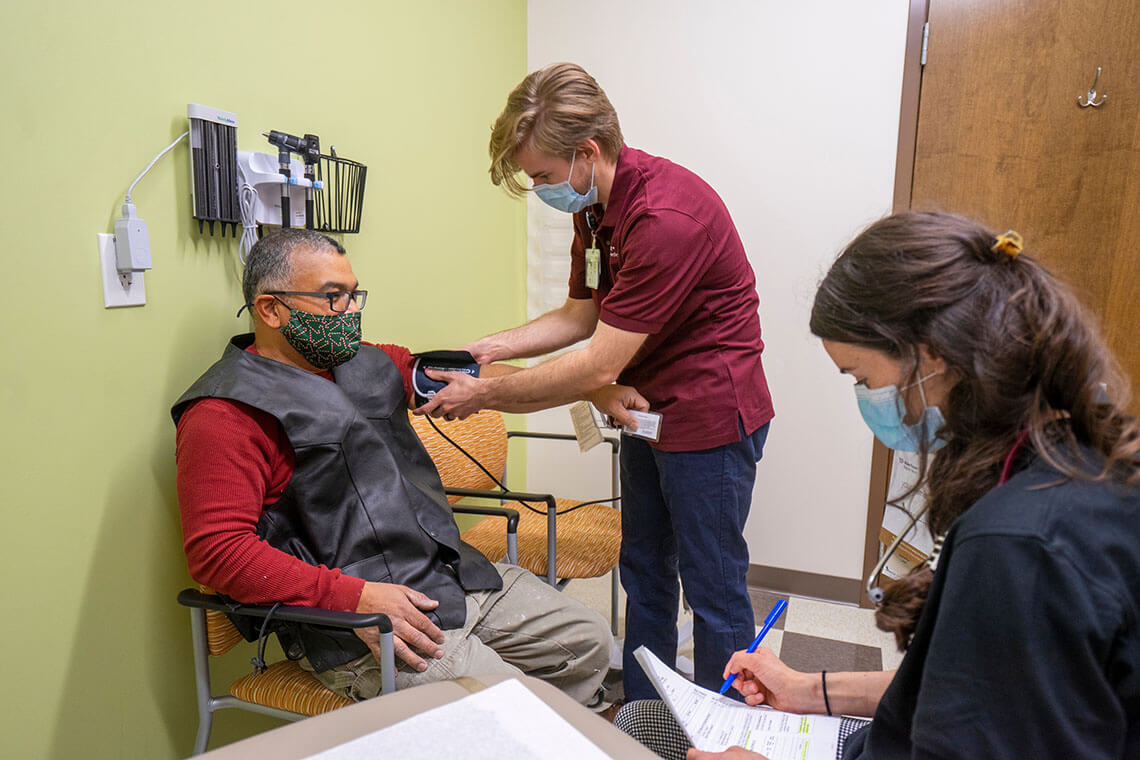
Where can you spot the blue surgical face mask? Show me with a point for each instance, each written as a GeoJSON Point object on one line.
{"type": "Point", "coordinates": [564, 197]}
{"type": "Point", "coordinates": [883, 411]}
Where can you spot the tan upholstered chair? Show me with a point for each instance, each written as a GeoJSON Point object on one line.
{"type": "Point", "coordinates": [557, 539]}
{"type": "Point", "coordinates": [283, 689]}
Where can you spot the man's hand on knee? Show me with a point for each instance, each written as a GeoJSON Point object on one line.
{"type": "Point", "coordinates": [412, 628]}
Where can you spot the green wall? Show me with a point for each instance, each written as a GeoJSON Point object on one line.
{"type": "Point", "coordinates": [94, 650]}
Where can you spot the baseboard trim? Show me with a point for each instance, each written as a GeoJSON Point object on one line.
{"type": "Point", "coordinates": [801, 583]}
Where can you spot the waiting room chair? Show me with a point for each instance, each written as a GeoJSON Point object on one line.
{"type": "Point", "coordinates": [284, 689]}
{"type": "Point", "coordinates": [552, 542]}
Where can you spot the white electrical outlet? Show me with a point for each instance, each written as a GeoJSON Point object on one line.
{"type": "Point", "coordinates": [117, 290]}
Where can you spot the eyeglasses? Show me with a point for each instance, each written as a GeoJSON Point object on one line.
{"type": "Point", "coordinates": [339, 300]}
{"type": "Point", "coordinates": [874, 592]}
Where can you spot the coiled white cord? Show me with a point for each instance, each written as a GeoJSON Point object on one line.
{"type": "Point", "coordinates": [247, 201]}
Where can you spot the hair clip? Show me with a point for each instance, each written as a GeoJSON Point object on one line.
{"type": "Point", "coordinates": [1009, 243]}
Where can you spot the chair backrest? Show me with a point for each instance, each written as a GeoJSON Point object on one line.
{"type": "Point", "coordinates": [483, 435]}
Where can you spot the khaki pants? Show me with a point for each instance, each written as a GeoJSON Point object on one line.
{"type": "Point", "coordinates": [525, 627]}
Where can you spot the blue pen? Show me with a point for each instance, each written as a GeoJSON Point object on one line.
{"type": "Point", "coordinates": [768, 622]}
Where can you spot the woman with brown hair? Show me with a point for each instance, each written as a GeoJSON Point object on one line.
{"type": "Point", "coordinates": [1021, 637]}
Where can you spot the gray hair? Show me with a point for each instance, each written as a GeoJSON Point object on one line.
{"type": "Point", "coordinates": [269, 265]}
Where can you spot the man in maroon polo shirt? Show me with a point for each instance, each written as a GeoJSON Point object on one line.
{"type": "Point", "coordinates": [661, 285]}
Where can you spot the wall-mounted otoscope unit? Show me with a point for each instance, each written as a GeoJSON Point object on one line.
{"type": "Point", "coordinates": [297, 187]}
{"type": "Point", "coordinates": [309, 149]}
{"type": "Point", "coordinates": [271, 190]}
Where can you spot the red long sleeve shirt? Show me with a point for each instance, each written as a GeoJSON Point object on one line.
{"type": "Point", "coordinates": [233, 461]}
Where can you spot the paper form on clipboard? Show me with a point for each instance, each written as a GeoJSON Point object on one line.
{"type": "Point", "coordinates": [713, 723]}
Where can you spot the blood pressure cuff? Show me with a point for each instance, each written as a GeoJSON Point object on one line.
{"type": "Point", "coordinates": [443, 361]}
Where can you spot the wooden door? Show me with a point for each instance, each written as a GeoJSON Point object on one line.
{"type": "Point", "coordinates": [991, 128]}
{"type": "Point", "coordinates": [1001, 138]}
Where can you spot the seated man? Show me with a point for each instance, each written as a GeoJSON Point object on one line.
{"type": "Point", "coordinates": [301, 481]}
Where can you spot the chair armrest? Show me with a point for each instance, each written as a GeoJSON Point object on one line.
{"type": "Point", "coordinates": [536, 434]}
{"type": "Point", "coordinates": [311, 615]}
{"type": "Point", "coordinates": [507, 495]}
{"type": "Point", "coordinates": [551, 519]}
{"type": "Point", "coordinates": [512, 515]}
{"type": "Point", "coordinates": [611, 440]}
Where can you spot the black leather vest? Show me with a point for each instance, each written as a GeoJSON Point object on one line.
{"type": "Point", "coordinates": [365, 496]}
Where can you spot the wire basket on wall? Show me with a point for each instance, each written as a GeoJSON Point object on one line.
{"type": "Point", "coordinates": [339, 203]}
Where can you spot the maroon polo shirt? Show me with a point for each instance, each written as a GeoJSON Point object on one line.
{"type": "Point", "coordinates": [673, 267]}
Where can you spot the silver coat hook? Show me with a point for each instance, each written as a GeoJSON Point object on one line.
{"type": "Point", "coordinates": [1090, 99]}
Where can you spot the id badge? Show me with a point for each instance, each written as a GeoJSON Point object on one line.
{"type": "Point", "coordinates": [648, 425]}
{"type": "Point", "coordinates": [593, 263]}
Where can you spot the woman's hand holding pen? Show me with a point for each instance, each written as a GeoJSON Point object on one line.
{"type": "Point", "coordinates": [764, 680]}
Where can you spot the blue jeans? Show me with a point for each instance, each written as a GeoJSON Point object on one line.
{"type": "Point", "coordinates": [683, 513]}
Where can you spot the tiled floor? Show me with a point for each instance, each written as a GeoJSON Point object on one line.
{"type": "Point", "coordinates": [811, 635]}
{"type": "Point", "coordinates": [818, 635]}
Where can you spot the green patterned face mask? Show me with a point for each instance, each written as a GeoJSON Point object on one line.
{"type": "Point", "coordinates": [325, 340]}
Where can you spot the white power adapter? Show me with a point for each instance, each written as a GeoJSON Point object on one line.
{"type": "Point", "coordinates": [132, 243]}
{"type": "Point", "coordinates": [128, 250]}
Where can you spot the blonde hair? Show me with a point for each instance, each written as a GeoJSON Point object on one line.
{"type": "Point", "coordinates": [556, 108]}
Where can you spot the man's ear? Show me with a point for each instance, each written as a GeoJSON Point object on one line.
{"type": "Point", "coordinates": [590, 150]}
{"type": "Point", "coordinates": [266, 309]}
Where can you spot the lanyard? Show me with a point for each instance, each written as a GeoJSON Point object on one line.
{"type": "Point", "coordinates": [592, 224]}
{"type": "Point", "coordinates": [1007, 467]}
{"type": "Point", "coordinates": [593, 255]}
